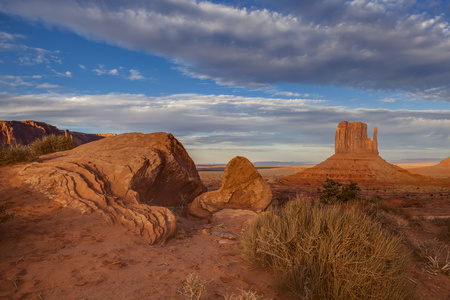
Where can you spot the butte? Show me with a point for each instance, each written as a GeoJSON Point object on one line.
{"type": "Point", "coordinates": [356, 159]}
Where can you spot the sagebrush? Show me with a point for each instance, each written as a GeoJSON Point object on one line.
{"type": "Point", "coordinates": [328, 252]}
{"type": "Point", "coordinates": [14, 154]}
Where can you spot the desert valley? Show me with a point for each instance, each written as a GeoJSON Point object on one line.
{"type": "Point", "coordinates": [131, 216]}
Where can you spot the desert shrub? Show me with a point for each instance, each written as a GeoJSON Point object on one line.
{"type": "Point", "coordinates": [329, 252]}
{"type": "Point", "coordinates": [436, 255]}
{"type": "Point", "coordinates": [4, 215]}
{"type": "Point", "coordinates": [52, 143]}
{"type": "Point", "coordinates": [194, 287]}
{"type": "Point", "coordinates": [13, 154]}
{"type": "Point", "coordinates": [335, 192]}
{"type": "Point", "coordinates": [245, 295]}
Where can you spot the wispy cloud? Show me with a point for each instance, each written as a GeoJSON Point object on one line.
{"type": "Point", "coordinates": [282, 129]}
{"type": "Point", "coordinates": [135, 75]}
{"type": "Point", "coordinates": [102, 71]}
{"type": "Point", "coordinates": [386, 45]}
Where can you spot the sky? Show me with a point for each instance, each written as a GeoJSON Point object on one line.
{"type": "Point", "coordinates": [269, 80]}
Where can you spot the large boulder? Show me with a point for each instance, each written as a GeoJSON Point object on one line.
{"type": "Point", "coordinates": [242, 188]}
{"type": "Point", "coordinates": [126, 178]}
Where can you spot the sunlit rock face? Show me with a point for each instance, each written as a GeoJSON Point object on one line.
{"type": "Point", "coordinates": [242, 188]}
{"type": "Point", "coordinates": [131, 179]}
{"type": "Point", "coordinates": [356, 159]}
{"type": "Point", "coordinates": [351, 137]}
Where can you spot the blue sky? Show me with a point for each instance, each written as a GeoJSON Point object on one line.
{"type": "Point", "coordinates": [269, 80]}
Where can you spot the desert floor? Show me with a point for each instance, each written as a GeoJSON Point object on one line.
{"type": "Point", "coordinates": [50, 252]}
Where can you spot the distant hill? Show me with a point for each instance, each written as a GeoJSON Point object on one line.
{"type": "Point", "coordinates": [26, 132]}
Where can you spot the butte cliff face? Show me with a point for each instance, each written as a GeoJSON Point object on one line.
{"type": "Point", "coordinates": [352, 138]}
{"type": "Point", "coordinates": [356, 159]}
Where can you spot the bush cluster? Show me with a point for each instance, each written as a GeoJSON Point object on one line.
{"type": "Point", "coordinates": [325, 252]}
{"type": "Point", "coordinates": [335, 192]}
{"type": "Point", "coordinates": [48, 144]}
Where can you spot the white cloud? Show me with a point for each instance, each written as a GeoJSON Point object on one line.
{"type": "Point", "coordinates": [82, 67]}
{"type": "Point", "coordinates": [48, 86]}
{"type": "Point", "coordinates": [261, 128]}
{"type": "Point", "coordinates": [102, 71]}
{"type": "Point", "coordinates": [135, 75]}
{"type": "Point", "coordinates": [363, 44]}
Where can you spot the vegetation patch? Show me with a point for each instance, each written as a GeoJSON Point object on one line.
{"type": "Point", "coordinates": [329, 252]}
{"type": "Point", "coordinates": [14, 154]}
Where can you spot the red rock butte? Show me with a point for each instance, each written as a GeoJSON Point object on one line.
{"type": "Point", "coordinates": [352, 138]}
{"type": "Point", "coordinates": [356, 159]}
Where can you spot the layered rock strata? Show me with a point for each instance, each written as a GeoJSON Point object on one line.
{"type": "Point", "coordinates": [356, 159]}
{"type": "Point", "coordinates": [242, 188]}
{"type": "Point", "coordinates": [127, 178]}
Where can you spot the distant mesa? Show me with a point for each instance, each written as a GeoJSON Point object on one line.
{"type": "Point", "coordinates": [131, 179]}
{"type": "Point", "coordinates": [356, 159]}
{"type": "Point", "coordinates": [441, 169]}
{"type": "Point", "coordinates": [26, 132]}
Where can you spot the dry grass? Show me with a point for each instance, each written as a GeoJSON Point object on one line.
{"type": "Point", "coordinates": [194, 287]}
{"type": "Point", "coordinates": [436, 255]}
{"type": "Point", "coordinates": [328, 252]}
{"type": "Point", "coordinates": [245, 295]}
{"type": "Point", "coordinates": [14, 154]}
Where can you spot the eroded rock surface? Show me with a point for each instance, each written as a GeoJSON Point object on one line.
{"type": "Point", "coordinates": [356, 159]}
{"type": "Point", "coordinates": [242, 188]}
{"type": "Point", "coordinates": [120, 177]}
{"type": "Point", "coordinates": [16, 132]}
{"type": "Point", "coordinates": [351, 137]}
{"type": "Point", "coordinates": [26, 132]}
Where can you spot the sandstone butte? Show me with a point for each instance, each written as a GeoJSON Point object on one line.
{"type": "Point", "coordinates": [26, 132]}
{"type": "Point", "coordinates": [356, 159]}
{"type": "Point", "coordinates": [130, 178]}
{"type": "Point", "coordinates": [242, 188]}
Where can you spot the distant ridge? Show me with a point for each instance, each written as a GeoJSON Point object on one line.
{"type": "Point", "coordinates": [26, 132]}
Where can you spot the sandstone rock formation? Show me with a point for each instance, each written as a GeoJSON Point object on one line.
{"type": "Point", "coordinates": [26, 132]}
{"type": "Point", "coordinates": [242, 188]}
{"type": "Point", "coordinates": [352, 138]}
{"type": "Point", "coordinates": [356, 159]}
{"type": "Point", "coordinates": [120, 177]}
{"type": "Point", "coordinates": [15, 132]}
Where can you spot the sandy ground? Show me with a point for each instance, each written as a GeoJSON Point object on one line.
{"type": "Point", "coordinates": [50, 252]}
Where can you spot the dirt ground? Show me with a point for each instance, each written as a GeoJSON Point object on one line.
{"type": "Point", "coordinates": [50, 252]}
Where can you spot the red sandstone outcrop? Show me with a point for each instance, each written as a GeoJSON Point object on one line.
{"type": "Point", "coordinates": [242, 188]}
{"type": "Point", "coordinates": [15, 132]}
{"type": "Point", "coordinates": [356, 159]}
{"type": "Point", "coordinates": [26, 132]}
{"type": "Point", "coordinates": [352, 138]}
{"type": "Point", "coordinates": [120, 177]}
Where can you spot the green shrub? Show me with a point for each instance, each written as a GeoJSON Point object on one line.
{"type": "Point", "coordinates": [15, 154]}
{"type": "Point", "coordinates": [335, 192]}
{"type": "Point", "coordinates": [329, 253]}
{"type": "Point", "coordinates": [52, 143]}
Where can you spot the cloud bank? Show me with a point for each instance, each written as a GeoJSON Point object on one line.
{"type": "Point", "coordinates": [383, 44]}
{"type": "Point", "coordinates": [214, 128]}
